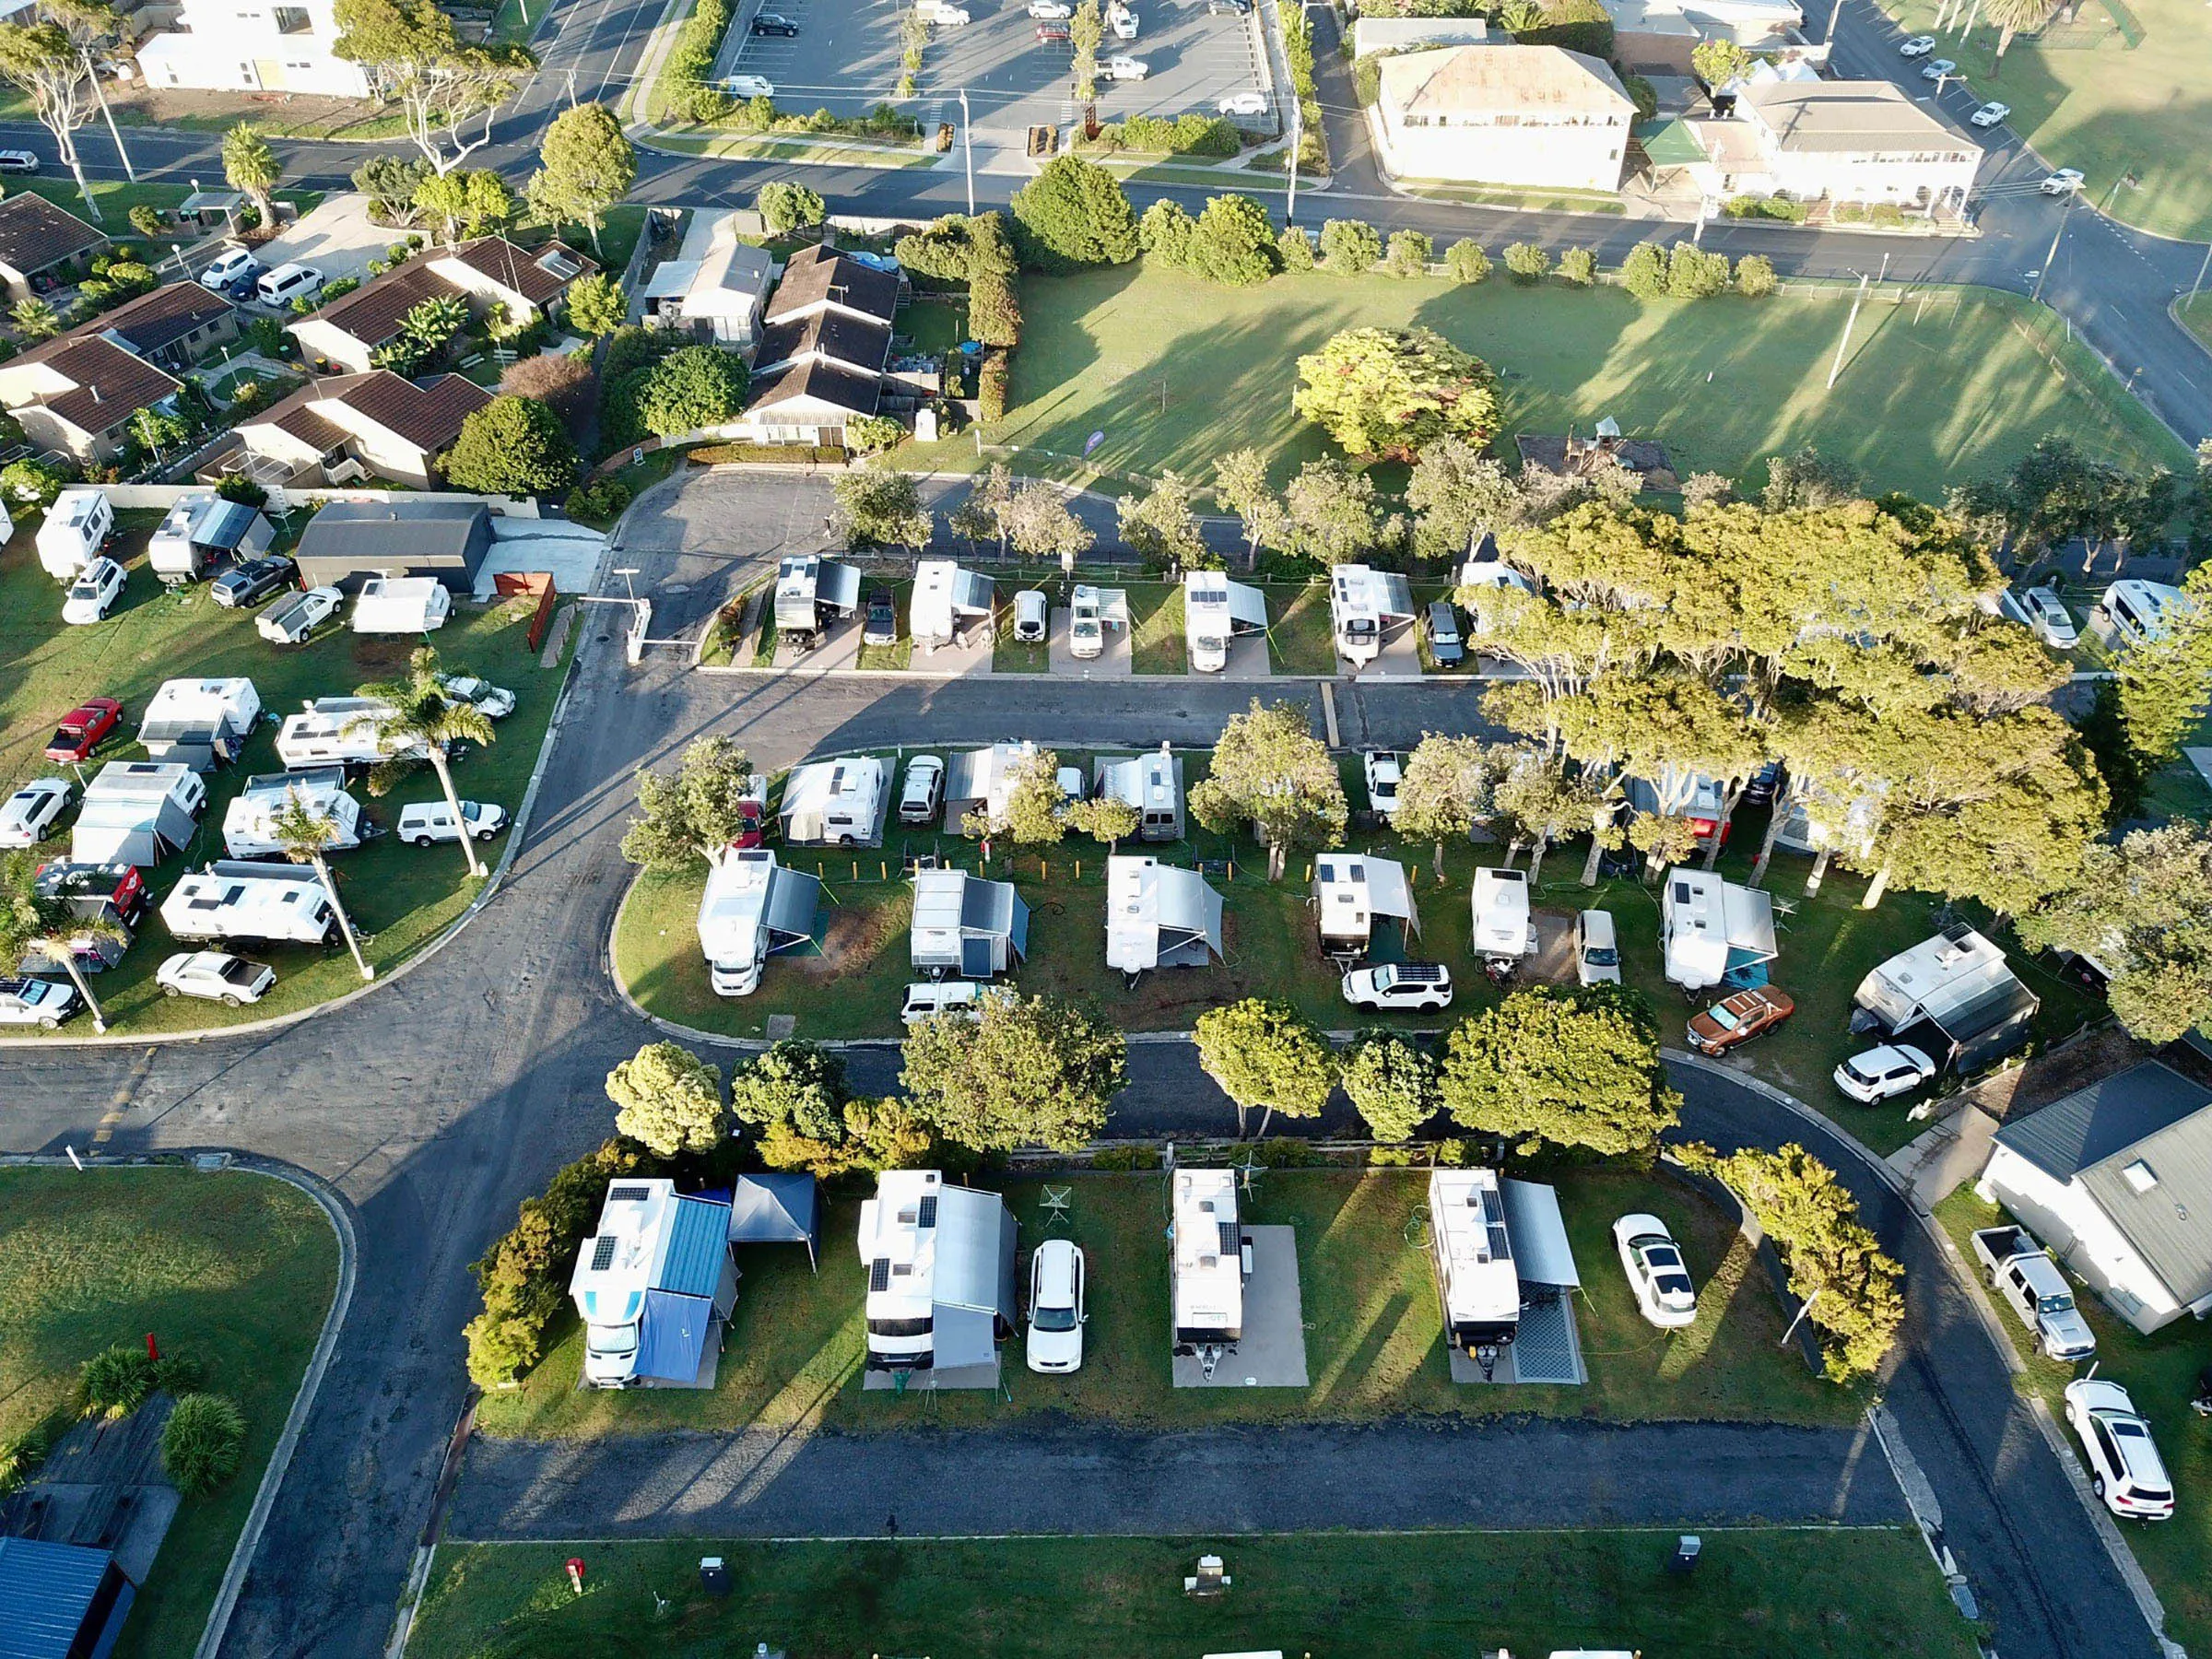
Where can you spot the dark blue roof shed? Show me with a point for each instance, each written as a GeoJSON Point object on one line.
{"type": "Point", "coordinates": [59, 1601]}
{"type": "Point", "coordinates": [699, 1242]}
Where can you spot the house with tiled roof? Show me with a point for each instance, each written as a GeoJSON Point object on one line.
{"type": "Point", "coordinates": [344, 427]}
{"type": "Point", "coordinates": [77, 392]}
{"type": "Point", "coordinates": [171, 326]}
{"type": "Point", "coordinates": [343, 335]}
{"type": "Point", "coordinates": [38, 240]}
{"type": "Point", "coordinates": [1537, 116]}
{"type": "Point", "coordinates": [824, 357]}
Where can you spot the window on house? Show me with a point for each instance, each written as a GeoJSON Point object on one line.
{"type": "Point", "coordinates": [293, 20]}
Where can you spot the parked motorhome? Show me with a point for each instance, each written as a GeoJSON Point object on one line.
{"type": "Point", "coordinates": [753, 909]}
{"type": "Point", "coordinates": [197, 723]}
{"type": "Point", "coordinates": [1215, 611]}
{"type": "Point", "coordinates": [1152, 782]}
{"type": "Point", "coordinates": [336, 730]}
{"type": "Point", "coordinates": [811, 594]}
{"type": "Point", "coordinates": [1211, 1263]}
{"type": "Point", "coordinates": [1367, 606]}
{"type": "Point", "coordinates": [1503, 930]}
{"type": "Point", "coordinates": [401, 605]}
{"type": "Point", "coordinates": [1158, 916]}
{"type": "Point", "coordinates": [655, 1284]}
{"type": "Point", "coordinates": [1953, 997]}
{"type": "Point", "coordinates": [948, 601]}
{"type": "Point", "coordinates": [836, 802]}
{"type": "Point", "coordinates": [249, 821]}
{"type": "Point", "coordinates": [940, 1266]}
{"type": "Point", "coordinates": [274, 903]}
{"type": "Point", "coordinates": [1351, 891]}
{"type": "Point", "coordinates": [136, 812]}
{"type": "Point", "coordinates": [1473, 1254]}
{"type": "Point", "coordinates": [78, 527]}
{"type": "Point", "coordinates": [1714, 932]}
{"type": "Point", "coordinates": [967, 926]}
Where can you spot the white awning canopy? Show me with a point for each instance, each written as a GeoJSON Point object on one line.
{"type": "Point", "coordinates": [1541, 1252]}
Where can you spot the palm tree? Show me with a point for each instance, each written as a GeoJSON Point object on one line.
{"type": "Point", "coordinates": [29, 917]}
{"type": "Point", "coordinates": [2012, 15]}
{"type": "Point", "coordinates": [305, 834]}
{"type": "Point", "coordinates": [422, 716]}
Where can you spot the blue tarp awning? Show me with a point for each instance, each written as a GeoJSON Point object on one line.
{"type": "Point", "coordinates": [698, 1240]}
{"type": "Point", "coordinates": [1019, 928]}
{"type": "Point", "coordinates": [674, 1338]}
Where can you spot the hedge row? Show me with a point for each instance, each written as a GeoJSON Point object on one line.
{"type": "Point", "coordinates": [1191, 135]}
{"type": "Point", "coordinates": [684, 90]}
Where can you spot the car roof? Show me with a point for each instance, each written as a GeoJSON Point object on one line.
{"type": "Point", "coordinates": [1056, 1265]}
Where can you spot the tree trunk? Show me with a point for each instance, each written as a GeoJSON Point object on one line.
{"type": "Point", "coordinates": [1720, 830]}
{"type": "Point", "coordinates": [2004, 40]}
{"type": "Point", "coordinates": [1876, 888]}
{"type": "Point", "coordinates": [452, 802]}
{"type": "Point", "coordinates": [1512, 851]}
{"type": "Point", "coordinates": [1600, 821]}
{"type": "Point", "coordinates": [1535, 859]}
{"type": "Point", "coordinates": [1267, 1117]}
{"type": "Point", "coordinates": [1275, 862]}
{"type": "Point", "coordinates": [1766, 844]}
{"type": "Point", "coordinates": [1240, 1119]}
{"type": "Point", "coordinates": [65, 142]}
{"type": "Point", "coordinates": [330, 891]}
{"type": "Point", "coordinates": [1440, 861]}
{"type": "Point", "coordinates": [591, 224]}
{"type": "Point", "coordinates": [1812, 882]}
{"type": "Point", "coordinates": [77, 978]}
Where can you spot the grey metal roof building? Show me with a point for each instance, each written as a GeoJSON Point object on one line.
{"type": "Point", "coordinates": [349, 541]}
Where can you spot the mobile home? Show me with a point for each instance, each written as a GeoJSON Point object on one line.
{"type": "Point", "coordinates": [136, 812]}
{"type": "Point", "coordinates": [753, 909]}
{"type": "Point", "coordinates": [1713, 930]}
{"type": "Point", "coordinates": [1152, 782]}
{"type": "Point", "coordinates": [1953, 995]}
{"type": "Point", "coordinates": [940, 1267]}
{"type": "Point", "coordinates": [948, 601]}
{"type": "Point", "coordinates": [197, 723]}
{"type": "Point", "coordinates": [401, 605]}
{"type": "Point", "coordinates": [202, 529]}
{"type": "Point", "coordinates": [1366, 606]}
{"type": "Point", "coordinates": [1158, 916]}
{"type": "Point", "coordinates": [340, 730]}
{"type": "Point", "coordinates": [978, 781]}
{"type": "Point", "coordinates": [1215, 611]}
{"type": "Point", "coordinates": [653, 1285]}
{"type": "Point", "coordinates": [834, 803]}
{"type": "Point", "coordinates": [1503, 930]}
{"type": "Point", "coordinates": [249, 821]}
{"type": "Point", "coordinates": [1473, 1254]}
{"type": "Point", "coordinates": [276, 903]}
{"type": "Point", "coordinates": [813, 593]}
{"type": "Point", "coordinates": [77, 526]}
{"type": "Point", "coordinates": [1350, 893]}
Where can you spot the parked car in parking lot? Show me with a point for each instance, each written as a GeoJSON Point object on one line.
{"type": "Point", "coordinates": [748, 86]}
{"type": "Point", "coordinates": [83, 729]}
{"type": "Point", "coordinates": [27, 817]}
{"type": "Point", "coordinates": [1990, 113]}
{"type": "Point", "coordinates": [2065, 182]}
{"type": "Point", "coordinates": [2047, 614]}
{"type": "Point", "coordinates": [216, 975]}
{"type": "Point", "coordinates": [1938, 69]}
{"type": "Point", "coordinates": [1232, 8]}
{"type": "Point", "coordinates": [17, 162]}
{"type": "Point", "coordinates": [1735, 1020]}
{"type": "Point", "coordinates": [1596, 949]}
{"type": "Point", "coordinates": [1053, 34]}
{"type": "Point", "coordinates": [1657, 1274]}
{"type": "Point", "coordinates": [1441, 623]}
{"type": "Point", "coordinates": [1420, 986]}
{"type": "Point", "coordinates": [1918, 46]}
{"type": "Point", "coordinates": [250, 583]}
{"type": "Point", "coordinates": [2125, 1470]}
{"type": "Point", "coordinates": [773, 23]}
{"type": "Point", "coordinates": [1122, 67]}
{"type": "Point", "coordinates": [1056, 1315]}
{"type": "Point", "coordinates": [94, 592]}
{"type": "Point", "coordinates": [27, 1001]}
{"type": "Point", "coordinates": [433, 821]}
{"type": "Point", "coordinates": [1050, 11]}
{"type": "Point", "coordinates": [229, 268]}
{"type": "Point", "coordinates": [286, 283]}
{"type": "Point", "coordinates": [1883, 1073]}
{"type": "Point", "coordinates": [1386, 770]}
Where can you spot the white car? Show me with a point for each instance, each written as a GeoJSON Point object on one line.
{"type": "Point", "coordinates": [748, 86]}
{"type": "Point", "coordinates": [433, 821]}
{"type": "Point", "coordinates": [2053, 624]}
{"type": "Point", "coordinates": [36, 1002]}
{"type": "Point", "coordinates": [228, 267]}
{"type": "Point", "coordinates": [1596, 949]}
{"type": "Point", "coordinates": [1123, 21]}
{"type": "Point", "coordinates": [1122, 67]}
{"type": "Point", "coordinates": [31, 811]}
{"type": "Point", "coordinates": [1029, 611]}
{"type": "Point", "coordinates": [1938, 69]}
{"type": "Point", "coordinates": [1918, 46]}
{"type": "Point", "coordinates": [1657, 1274]}
{"type": "Point", "coordinates": [1050, 11]}
{"type": "Point", "coordinates": [1421, 986]}
{"type": "Point", "coordinates": [1884, 1072]}
{"type": "Point", "coordinates": [286, 283]}
{"type": "Point", "coordinates": [925, 999]}
{"type": "Point", "coordinates": [94, 592]}
{"type": "Point", "coordinates": [2124, 1468]}
{"type": "Point", "coordinates": [494, 702]}
{"type": "Point", "coordinates": [924, 783]}
{"type": "Point", "coordinates": [216, 975]}
{"type": "Point", "coordinates": [1385, 771]}
{"type": "Point", "coordinates": [2065, 182]}
{"type": "Point", "coordinates": [1989, 114]}
{"type": "Point", "coordinates": [1243, 103]}
{"type": "Point", "coordinates": [1056, 1307]}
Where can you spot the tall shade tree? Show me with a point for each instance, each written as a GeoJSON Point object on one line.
{"type": "Point", "coordinates": [1033, 813]}
{"type": "Point", "coordinates": [46, 58]}
{"type": "Point", "coordinates": [1456, 492]}
{"type": "Point", "coordinates": [694, 812]}
{"type": "Point", "coordinates": [1161, 528]}
{"type": "Point", "coordinates": [1570, 1066]}
{"type": "Point", "coordinates": [585, 166]}
{"type": "Point", "coordinates": [413, 57]}
{"type": "Point", "coordinates": [2016, 16]}
{"type": "Point", "coordinates": [511, 446]}
{"type": "Point", "coordinates": [1266, 1053]}
{"type": "Point", "coordinates": [879, 507]}
{"type": "Point", "coordinates": [421, 716]}
{"type": "Point", "coordinates": [306, 836]}
{"type": "Point", "coordinates": [1072, 215]}
{"type": "Point", "coordinates": [1271, 772]}
{"type": "Point", "coordinates": [1086, 29]}
{"type": "Point", "coordinates": [1544, 800]}
{"type": "Point", "coordinates": [1392, 392]}
{"type": "Point", "coordinates": [30, 918]}
{"type": "Point", "coordinates": [1445, 791]}
{"type": "Point", "coordinates": [2142, 911]}
{"type": "Point", "coordinates": [1392, 1084]}
{"type": "Point", "coordinates": [1040, 525]}
{"type": "Point", "coordinates": [1240, 485]}
{"type": "Point", "coordinates": [251, 166]}
{"type": "Point", "coordinates": [1034, 1071]}
{"type": "Point", "coordinates": [1666, 729]}
{"type": "Point", "coordinates": [2165, 683]}
{"type": "Point", "coordinates": [668, 1098]}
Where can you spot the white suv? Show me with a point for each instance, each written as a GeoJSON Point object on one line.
{"type": "Point", "coordinates": [1385, 771]}
{"type": "Point", "coordinates": [927, 998]}
{"type": "Point", "coordinates": [433, 821]}
{"type": "Point", "coordinates": [2124, 1468]}
{"type": "Point", "coordinates": [1420, 985]}
{"type": "Point", "coordinates": [924, 785]}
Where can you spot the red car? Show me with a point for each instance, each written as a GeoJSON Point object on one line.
{"type": "Point", "coordinates": [84, 729]}
{"type": "Point", "coordinates": [1738, 1018]}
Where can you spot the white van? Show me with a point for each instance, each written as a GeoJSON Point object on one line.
{"type": "Point", "coordinates": [286, 283]}
{"type": "Point", "coordinates": [433, 821]}
{"type": "Point", "coordinates": [1596, 949]}
{"type": "Point", "coordinates": [926, 998]}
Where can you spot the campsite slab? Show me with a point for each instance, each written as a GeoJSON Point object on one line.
{"type": "Point", "coordinates": [1117, 662]}
{"type": "Point", "coordinates": [1400, 658]}
{"type": "Point", "coordinates": [1272, 1353]}
{"type": "Point", "coordinates": [839, 649]}
{"type": "Point", "coordinates": [1548, 1348]}
{"type": "Point", "coordinates": [1248, 659]}
{"type": "Point", "coordinates": [967, 657]}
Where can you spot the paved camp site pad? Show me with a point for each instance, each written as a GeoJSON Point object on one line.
{"type": "Point", "coordinates": [1272, 1351]}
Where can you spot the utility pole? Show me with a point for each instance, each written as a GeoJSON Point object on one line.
{"type": "Point", "coordinates": [2200, 274]}
{"type": "Point", "coordinates": [1834, 17]}
{"type": "Point", "coordinates": [1297, 140]}
{"type": "Point", "coordinates": [1836, 368]}
{"type": "Point", "coordinates": [968, 149]}
{"type": "Point", "coordinates": [129, 171]}
{"type": "Point", "coordinates": [2037, 293]}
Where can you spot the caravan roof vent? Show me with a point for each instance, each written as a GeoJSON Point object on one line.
{"type": "Point", "coordinates": [602, 1252]}
{"type": "Point", "coordinates": [2140, 1176]}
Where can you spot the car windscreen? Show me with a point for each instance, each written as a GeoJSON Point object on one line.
{"type": "Point", "coordinates": [1721, 1015]}
{"type": "Point", "coordinates": [1054, 1319]}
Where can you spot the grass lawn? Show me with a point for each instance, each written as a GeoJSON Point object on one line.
{"type": "Point", "coordinates": [934, 324]}
{"type": "Point", "coordinates": [2196, 314]}
{"type": "Point", "coordinates": [819, 152]}
{"type": "Point", "coordinates": [2160, 1375]}
{"type": "Point", "coordinates": [1300, 639]}
{"type": "Point", "coordinates": [1821, 1595]}
{"type": "Point", "coordinates": [2108, 110]}
{"type": "Point", "coordinates": [402, 895]}
{"type": "Point", "coordinates": [1155, 628]}
{"type": "Point", "coordinates": [1375, 1343]}
{"type": "Point", "coordinates": [115, 199]}
{"type": "Point", "coordinates": [1010, 655]}
{"type": "Point", "coordinates": [1936, 386]}
{"type": "Point", "coordinates": [233, 1270]}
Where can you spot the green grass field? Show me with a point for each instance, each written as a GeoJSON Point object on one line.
{"type": "Point", "coordinates": [1936, 385]}
{"type": "Point", "coordinates": [402, 896]}
{"type": "Point", "coordinates": [2196, 314]}
{"type": "Point", "coordinates": [2160, 1375]}
{"type": "Point", "coordinates": [1861, 1594]}
{"type": "Point", "coordinates": [1373, 1337]}
{"type": "Point", "coordinates": [233, 1270]}
{"type": "Point", "coordinates": [2107, 110]}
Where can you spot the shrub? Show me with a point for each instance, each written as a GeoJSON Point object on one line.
{"type": "Point", "coordinates": [117, 1381]}
{"type": "Point", "coordinates": [1165, 232]}
{"type": "Point", "coordinates": [1572, 25]}
{"type": "Point", "coordinates": [1294, 249]}
{"type": "Point", "coordinates": [1409, 253]}
{"type": "Point", "coordinates": [1233, 242]}
{"type": "Point", "coordinates": [1771, 207]}
{"type": "Point", "coordinates": [1694, 274]}
{"type": "Point", "coordinates": [1755, 277]}
{"type": "Point", "coordinates": [146, 219]}
{"type": "Point", "coordinates": [513, 446]}
{"type": "Point", "coordinates": [684, 87]}
{"type": "Point", "coordinates": [564, 384]}
{"type": "Point", "coordinates": [600, 502]}
{"type": "Point", "coordinates": [734, 455]}
{"type": "Point", "coordinates": [242, 490]}
{"type": "Point", "coordinates": [991, 386]}
{"type": "Point", "coordinates": [1526, 262]}
{"type": "Point", "coordinates": [1350, 247]}
{"type": "Point", "coordinates": [786, 207]}
{"type": "Point", "coordinates": [871, 434]}
{"type": "Point", "coordinates": [1465, 262]}
{"type": "Point", "coordinates": [1190, 135]}
{"type": "Point", "coordinates": [1643, 273]}
{"type": "Point", "coordinates": [340, 288]}
{"type": "Point", "coordinates": [201, 1444]}
{"type": "Point", "coordinates": [1578, 267]}
{"type": "Point", "coordinates": [1126, 1158]}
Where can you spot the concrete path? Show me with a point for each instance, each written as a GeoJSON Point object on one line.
{"type": "Point", "coordinates": [1947, 1154]}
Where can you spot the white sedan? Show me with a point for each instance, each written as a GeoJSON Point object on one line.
{"type": "Point", "coordinates": [1989, 114]}
{"type": "Point", "coordinates": [2065, 182]}
{"type": "Point", "coordinates": [216, 975]}
{"type": "Point", "coordinates": [2047, 614]}
{"type": "Point", "coordinates": [1122, 67]}
{"type": "Point", "coordinates": [1030, 610]}
{"type": "Point", "coordinates": [2125, 1470]}
{"type": "Point", "coordinates": [1657, 1274]}
{"type": "Point", "coordinates": [94, 592]}
{"type": "Point", "coordinates": [1938, 69]}
{"type": "Point", "coordinates": [1050, 11]}
{"type": "Point", "coordinates": [494, 702]}
{"type": "Point", "coordinates": [1884, 1072]}
{"type": "Point", "coordinates": [1918, 46]}
{"type": "Point", "coordinates": [749, 85]}
{"type": "Point", "coordinates": [1056, 1307]}
{"type": "Point", "coordinates": [30, 813]}
{"type": "Point", "coordinates": [1243, 103]}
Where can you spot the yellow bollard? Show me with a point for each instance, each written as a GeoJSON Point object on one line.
{"type": "Point", "coordinates": [856, 869]}
{"type": "Point", "coordinates": [884, 870]}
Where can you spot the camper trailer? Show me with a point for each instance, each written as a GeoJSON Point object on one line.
{"type": "Point", "coordinates": [811, 594]}
{"type": "Point", "coordinates": [249, 821]}
{"type": "Point", "coordinates": [1480, 582]}
{"type": "Point", "coordinates": [967, 926]}
{"type": "Point", "coordinates": [1503, 932]}
{"type": "Point", "coordinates": [1090, 612]}
{"type": "Point", "coordinates": [77, 526]}
{"type": "Point", "coordinates": [136, 812]}
{"type": "Point", "coordinates": [401, 605]}
{"type": "Point", "coordinates": [335, 731]}
{"type": "Point", "coordinates": [1158, 916]}
{"type": "Point", "coordinates": [201, 530]}
{"type": "Point", "coordinates": [940, 1267]}
{"type": "Point", "coordinates": [1365, 606]}
{"type": "Point", "coordinates": [1473, 1254]}
{"type": "Point", "coordinates": [948, 601]}
{"type": "Point", "coordinates": [653, 1285]}
{"type": "Point", "coordinates": [113, 895]}
{"type": "Point", "coordinates": [1215, 611]}
{"type": "Point", "coordinates": [834, 803]}
{"type": "Point", "coordinates": [978, 781]}
{"type": "Point", "coordinates": [1819, 821]}
{"type": "Point", "coordinates": [1350, 893]}
{"type": "Point", "coordinates": [753, 908]}
{"type": "Point", "coordinates": [1152, 782]}
{"type": "Point", "coordinates": [1212, 1261]}
{"type": "Point", "coordinates": [198, 722]}
{"type": "Point", "coordinates": [1714, 932]}
{"type": "Point", "coordinates": [1953, 997]}
{"type": "Point", "coordinates": [271, 903]}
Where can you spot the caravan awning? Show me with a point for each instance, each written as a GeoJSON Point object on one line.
{"type": "Point", "coordinates": [674, 1338]}
{"type": "Point", "coordinates": [1388, 893]}
{"type": "Point", "coordinates": [1189, 904]}
{"type": "Point", "coordinates": [1990, 1009]}
{"type": "Point", "coordinates": [699, 1242]}
{"type": "Point", "coordinates": [972, 593]}
{"type": "Point", "coordinates": [1749, 913]}
{"type": "Point", "coordinates": [837, 585]}
{"type": "Point", "coordinates": [795, 901]}
{"type": "Point", "coordinates": [1541, 1253]}
{"type": "Point", "coordinates": [1393, 594]}
{"type": "Point", "coordinates": [962, 1337]}
{"type": "Point", "coordinates": [1247, 608]}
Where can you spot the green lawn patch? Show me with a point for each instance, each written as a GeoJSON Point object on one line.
{"type": "Point", "coordinates": [1936, 386]}
{"type": "Point", "coordinates": [115, 199]}
{"type": "Point", "coordinates": [820, 152]}
{"type": "Point", "coordinates": [1374, 1341]}
{"type": "Point", "coordinates": [402, 895]}
{"type": "Point", "coordinates": [2160, 1375]}
{"type": "Point", "coordinates": [1863, 1594]}
{"type": "Point", "coordinates": [1156, 645]}
{"type": "Point", "coordinates": [936, 325]}
{"type": "Point", "coordinates": [2196, 314]}
{"type": "Point", "coordinates": [1300, 638]}
{"type": "Point", "coordinates": [235, 1271]}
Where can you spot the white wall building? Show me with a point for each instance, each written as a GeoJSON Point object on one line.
{"type": "Point", "coordinates": [1535, 116]}
{"type": "Point", "coordinates": [252, 47]}
{"type": "Point", "coordinates": [1847, 141]}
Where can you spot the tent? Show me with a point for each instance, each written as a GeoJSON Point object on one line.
{"type": "Point", "coordinates": [692, 1293]}
{"type": "Point", "coordinates": [778, 1209]}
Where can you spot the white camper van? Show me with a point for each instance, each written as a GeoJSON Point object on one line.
{"type": "Point", "coordinates": [834, 802]}
{"type": "Point", "coordinates": [653, 1285]}
{"type": "Point", "coordinates": [752, 909]}
{"type": "Point", "coordinates": [280, 904]}
{"type": "Point", "coordinates": [249, 821]}
{"type": "Point", "coordinates": [1212, 1261]}
{"type": "Point", "coordinates": [79, 524]}
{"type": "Point", "coordinates": [1365, 605]}
{"type": "Point", "coordinates": [401, 605]}
{"type": "Point", "coordinates": [1215, 611]}
{"type": "Point", "coordinates": [334, 730]}
{"type": "Point", "coordinates": [940, 1267]}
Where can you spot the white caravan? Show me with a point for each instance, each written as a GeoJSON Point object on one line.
{"type": "Point", "coordinates": [1350, 890]}
{"type": "Point", "coordinates": [1215, 611]}
{"type": "Point", "coordinates": [1503, 928]}
{"type": "Point", "coordinates": [136, 812]}
{"type": "Point", "coordinates": [275, 903]}
{"type": "Point", "coordinates": [946, 601]}
{"type": "Point", "coordinates": [77, 526]}
{"type": "Point", "coordinates": [834, 803]}
{"type": "Point", "coordinates": [249, 821]}
{"type": "Point", "coordinates": [811, 594]}
{"type": "Point", "coordinates": [940, 1267]}
{"type": "Point", "coordinates": [337, 730]}
{"type": "Point", "coordinates": [752, 909]}
{"type": "Point", "coordinates": [197, 722]}
{"type": "Point", "coordinates": [1473, 1254]}
{"type": "Point", "coordinates": [401, 605]}
{"type": "Point", "coordinates": [1158, 916]}
{"type": "Point", "coordinates": [1712, 928]}
{"type": "Point", "coordinates": [1152, 782]}
{"type": "Point", "coordinates": [1211, 1263]}
{"type": "Point", "coordinates": [1365, 606]}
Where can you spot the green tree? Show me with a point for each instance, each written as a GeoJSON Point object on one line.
{"type": "Point", "coordinates": [1391, 1084]}
{"type": "Point", "coordinates": [1694, 274]}
{"type": "Point", "coordinates": [1085, 31]}
{"type": "Point", "coordinates": [1444, 791]}
{"type": "Point", "coordinates": [596, 304]}
{"type": "Point", "coordinates": [2165, 683]}
{"type": "Point", "coordinates": [1349, 247]}
{"type": "Point", "coordinates": [1643, 273]}
{"type": "Point", "coordinates": [880, 507]}
{"type": "Point", "coordinates": [1526, 262]}
{"type": "Point", "coordinates": [1072, 215]}
{"type": "Point", "coordinates": [1264, 1054]}
{"type": "Point", "coordinates": [1465, 262]}
{"type": "Point", "coordinates": [1409, 253]}
{"type": "Point", "coordinates": [1294, 249]}
{"type": "Point", "coordinates": [1331, 514]}
{"type": "Point", "coordinates": [869, 1136]}
{"type": "Point", "coordinates": [1577, 268]}
{"type": "Point", "coordinates": [251, 165]}
{"type": "Point", "coordinates": [1033, 803]}
{"type": "Point", "coordinates": [585, 166]}
{"type": "Point", "coordinates": [1233, 243]}
{"type": "Point", "coordinates": [145, 218]}
{"type": "Point", "coordinates": [1457, 492]}
{"type": "Point", "coordinates": [1718, 61]}
{"type": "Point", "coordinates": [1392, 391]}
{"type": "Point", "coordinates": [1108, 819]}
{"type": "Point", "coordinates": [2143, 912]}
{"type": "Point", "coordinates": [669, 1099]}
{"type": "Point", "coordinates": [787, 207]}
{"type": "Point", "coordinates": [792, 1083]}
{"type": "Point", "coordinates": [472, 203]}
{"type": "Point", "coordinates": [1028, 1071]}
{"type": "Point", "coordinates": [1039, 525]}
{"type": "Point", "coordinates": [30, 919]}
{"type": "Point", "coordinates": [33, 482]}
{"type": "Point", "coordinates": [1755, 277]}
{"type": "Point", "coordinates": [1165, 232]}
{"type": "Point", "coordinates": [46, 58]}
{"type": "Point", "coordinates": [511, 446]}
{"type": "Point", "coordinates": [306, 836]}
{"type": "Point", "coordinates": [693, 386]}
{"type": "Point", "coordinates": [414, 58]}
{"type": "Point", "coordinates": [421, 716]}
{"type": "Point", "coordinates": [693, 813]}
{"type": "Point", "coordinates": [34, 319]}
{"type": "Point", "coordinates": [1161, 528]}
{"type": "Point", "coordinates": [1572, 1067]}
{"type": "Point", "coordinates": [2017, 16]}
{"type": "Point", "coordinates": [1240, 485]}
{"type": "Point", "coordinates": [1544, 800]}
{"type": "Point", "coordinates": [1271, 772]}
{"type": "Point", "coordinates": [390, 182]}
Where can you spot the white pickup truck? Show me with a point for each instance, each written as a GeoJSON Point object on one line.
{"type": "Point", "coordinates": [2029, 1282]}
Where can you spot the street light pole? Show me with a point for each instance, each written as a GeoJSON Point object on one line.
{"type": "Point", "coordinates": [1836, 368]}
{"type": "Point", "coordinates": [1834, 17]}
{"type": "Point", "coordinates": [129, 171]}
{"type": "Point", "coordinates": [968, 149]}
{"type": "Point", "coordinates": [2200, 274]}
{"type": "Point", "coordinates": [2037, 292]}
{"type": "Point", "coordinates": [1297, 141]}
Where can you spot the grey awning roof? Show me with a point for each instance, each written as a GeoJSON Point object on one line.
{"type": "Point", "coordinates": [793, 902]}
{"type": "Point", "coordinates": [1387, 892]}
{"type": "Point", "coordinates": [1994, 1004]}
{"type": "Point", "coordinates": [672, 1339]}
{"type": "Point", "coordinates": [45, 1591]}
{"type": "Point", "coordinates": [962, 1337]}
{"type": "Point", "coordinates": [837, 584]}
{"type": "Point", "coordinates": [1394, 594]}
{"type": "Point", "coordinates": [775, 1209]}
{"type": "Point", "coordinates": [987, 906]}
{"type": "Point", "coordinates": [1541, 1253]}
{"type": "Point", "coordinates": [1247, 606]}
